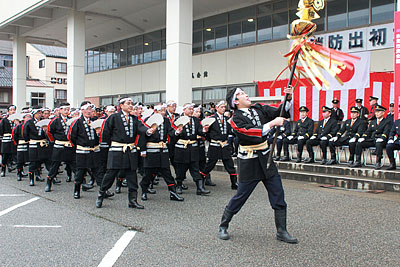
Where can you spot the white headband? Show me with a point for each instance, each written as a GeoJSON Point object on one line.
{"type": "Point", "coordinates": [87, 106]}
{"type": "Point", "coordinates": [160, 107]}
{"type": "Point", "coordinates": [34, 111]}
{"type": "Point", "coordinates": [26, 114]}
{"type": "Point", "coordinates": [188, 106]}
{"type": "Point", "coordinates": [237, 91]}
{"type": "Point", "coordinates": [222, 102]}
{"type": "Point", "coordinates": [110, 108]}
{"type": "Point", "coordinates": [63, 107]}
{"type": "Point", "coordinates": [125, 99]}
{"type": "Point", "coordinates": [171, 102]}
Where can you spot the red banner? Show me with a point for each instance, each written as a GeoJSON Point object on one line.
{"type": "Point", "coordinates": [397, 62]}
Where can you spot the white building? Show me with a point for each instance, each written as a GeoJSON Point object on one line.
{"type": "Point", "coordinates": [182, 49]}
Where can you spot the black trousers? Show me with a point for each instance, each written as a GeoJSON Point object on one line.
{"type": "Point", "coordinates": [390, 148]}
{"type": "Point", "coordinates": [333, 145]}
{"type": "Point", "coordinates": [228, 165]}
{"type": "Point", "coordinates": [149, 174]}
{"type": "Point", "coordinates": [34, 166]}
{"type": "Point", "coordinates": [7, 158]}
{"type": "Point", "coordinates": [80, 173]}
{"type": "Point", "coordinates": [55, 165]}
{"type": "Point", "coordinates": [317, 142]}
{"type": "Point", "coordinates": [379, 148]}
{"type": "Point", "coordinates": [274, 188]}
{"type": "Point", "coordinates": [300, 145]}
{"type": "Point", "coordinates": [193, 168]}
{"type": "Point", "coordinates": [279, 144]}
{"type": "Point", "coordinates": [111, 174]}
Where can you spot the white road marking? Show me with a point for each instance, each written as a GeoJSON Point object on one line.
{"type": "Point", "coordinates": [18, 206]}
{"type": "Point", "coordinates": [37, 226]}
{"type": "Point", "coordinates": [12, 195]}
{"type": "Point", "coordinates": [112, 256]}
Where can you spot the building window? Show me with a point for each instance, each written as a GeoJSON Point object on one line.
{"type": "Point", "coordinates": [358, 12]}
{"type": "Point", "coordinates": [61, 67]}
{"type": "Point", "coordinates": [4, 97]}
{"type": "Point", "coordinates": [41, 64]}
{"type": "Point", "coordinates": [152, 98]}
{"type": "Point", "coordinates": [382, 10]}
{"type": "Point", "coordinates": [215, 94]}
{"type": "Point", "coordinates": [196, 95]}
{"type": "Point", "coordinates": [38, 99]}
{"type": "Point", "coordinates": [61, 94]}
{"type": "Point", "coordinates": [337, 17]}
{"type": "Point", "coordinates": [7, 63]}
{"type": "Point", "coordinates": [137, 98]}
{"type": "Point", "coordinates": [106, 101]}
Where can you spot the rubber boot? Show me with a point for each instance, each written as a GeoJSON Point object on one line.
{"type": "Point", "coordinates": [38, 178]}
{"type": "Point", "coordinates": [234, 184]}
{"type": "Point", "coordinates": [132, 198]}
{"type": "Point", "coordinates": [48, 185]}
{"type": "Point", "coordinates": [23, 174]}
{"type": "Point", "coordinates": [31, 179]}
{"type": "Point", "coordinates": [19, 175]}
{"type": "Point", "coordinates": [281, 233]}
{"type": "Point", "coordinates": [392, 165]}
{"type": "Point", "coordinates": [223, 227]}
{"type": "Point", "coordinates": [77, 191]}
{"type": "Point", "coordinates": [3, 171]}
{"type": "Point", "coordinates": [200, 188]}
{"type": "Point", "coordinates": [208, 180]}
{"type": "Point", "coordinates": [179, 187]}
{"type": "Point", "coordinates": [173, 195]}
{"type": "Point", "coordinates": [118, 185]}
{"type": "Point", "coordinates": [100, 198]}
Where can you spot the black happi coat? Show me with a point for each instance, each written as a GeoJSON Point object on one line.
{"type": "Point", "coordinates": [32, 132]}
{"type": "Point", "coordinates": [156, 157]}
{"type": "Point", "coordinates": [348, 131]}
{"type": "Point", "coordinates": [191, 152]}
{"type": "Point", "coordinates": [329, 131]}
{"type": "Point", "coordinates": [82, 134]}
{"type": "Point", "coordinates": [7, 145]}
{"type": "Point", "coordinates": [219, 131]}
{"type": "Point", "coordinates": [304, 128]}
{"type": "Point", "coordinates": [117, 129]}
{"type": "Point", "coordinates": [376, 131]}
{"type": "Point", "coordinates": [58, 130]}
{"type": "Point", "coordinates": [395, 132]}
{"type": "Point", "coordinates": [22, 150]}
{"type": "Point", "coordinates": [248, 128]}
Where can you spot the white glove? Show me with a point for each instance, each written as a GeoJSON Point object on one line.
{"type": "Point", "coordinates": [379, 140]}
{"type": "Point", "coordinates": [282, 129]}
{"type": "Point", "coordinates": [391, 141]}
{"type": "Point", "coordinates": [395, 138]}
{"type": "Point", "coordinates": [300, 137]}
{"type": "Point", "coordinates": [362, 139]}
{"type": "Point", "coordinates": [334, 139]}
{"type": "Point", "coordinates": [352, 140]}
{"type": "Point", "coordinates": [290, 137]}
{"type": "Point", "coordinates": [324, 138]}
{"type": "Point", "coordinates": [280, 137]}
{"type": "Point", "coordinates": [313, 137]}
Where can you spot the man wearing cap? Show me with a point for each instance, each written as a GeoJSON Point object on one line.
{"type": "Point", "coordinates": [22, 145]}
{"type": "Point", "coordinates": [337, 113]}
{"type": "Point", "coordinates": [8, 149]}
{"type": "Point", "coordinates": [45, 113]}
{"type": "Point", "coordinates": [187, 150]}
{"type": "Point", "coordinates": [302, 132]}
{"type": "Point", "coordinates": [156, 157]}
{"type": "Point", "coordinates": [172, 116]}
{"type": "Point", "coordinates": [373, 102]}
{"type": "Point", "coordinates": [219, 148]}
{"type": "Point", "coordinates": [36, 137]}
{"type": "Point", "coordinates": [251, 123]}
{"type": "Point", "coordinates": [326, 129]}
{"type": "Point", "coordinates": [363, 110]}
{"type": "Point", "coordinates": [122, 131]}
{"type": "Point", "coordinates": [393, 143]}
{"type": "Point", "coordinates": [87, 150]}
{"type": "Point", "coordinates": [348, 134]}
{"type": "Point", "coordinates": [376, 136]}
{"type": "Point", "coordinates": [390, 114]}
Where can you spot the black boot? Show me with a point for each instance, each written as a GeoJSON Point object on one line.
{"type": "Point", "coordinates": [48, 185]}
{"type": "Point", "coordinates": [378, 164]}
{"type": "Point", "coordinates": [299, 157]}
{"type": "Point", "coordinates": [23, 174]}
{"type": "Point", "coordinates": [68, 178]}
{"type": "Point", "coordinates": [208, 180]}
{"type": "Point", "coordinates": [144, 196]}
{"type": "Point", "coordinates": [38, 178]}
{"type": "Point", "coordinates": [173, 195]}
{"type": "Point", "coordinates": [19, 175]}
{"type": "Point", "coordinates": [108, 194]}
{"type": "Point", "coordinates": [118, 185]}
{"type": "Point", "coordinates": [310, 159]}
{"type": "Point", "coordinates": [56, 181]}
{"type": "Point", "coordinates": [223, 227]}
{"type": "Point", "coordinates": [179, 187]}
{"type": "Point", "coordinates": [234, 185]}
{"type": "Point", "coordinates": [200, 188]}
{"type": "Point", "coordinates": [3, 171]}
{"type": "Point", "coordinates": [86, 187]}
{"type": "Point", "coordinates": [100, 198]}
{"type": "Point", "coordinates": [280, 222]}
{"type": "Point", "coordinates": [31, 179]}
{"type": "Point", "coordinates": [285, 156]}
{"type": "Point", "coordinates": [392, 165]}
{"type": "Point", "coordinates": [132, 198]}
{"type": "Point", "coordinates": [77, 191]}
{"type": "Point", "coordinates": [124, 183]}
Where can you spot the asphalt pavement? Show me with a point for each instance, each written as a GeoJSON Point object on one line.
{"type": "Point", "coordinates": [334, 227]}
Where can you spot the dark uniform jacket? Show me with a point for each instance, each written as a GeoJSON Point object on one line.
{"type": "Point", "coordinates": [304, 128]}
{"type": "Point", "coordinates": [390, 116]}
{"type": "Point", "coordinates": [58, 130]}
{"type": "Point", "coordinates": [31, 132]}
{"type": "Point", "coordinates": [363, 111]}
{"type": "Point", "coordinates": [22, 149]}
{"type": "Point", "coordinates": [7, 145]}
{"type": "Point", "coordinates": [337, 114]}
{"type": "Point", "coordinates": [191, 152]}
{"type": "Point", "coordinates": [349, 131]}
{"type": "Point", "coordinates": [329, 131]}
{"type": "Point", "coordinates": [376, 131]}
{"type": "Point", "coordinates": [219, 131]}
{"type": "Point", "coordinates": [83, 135]}
{"type": "Point", "coordinates": [371, 115]}
{"type": "Point", "coordinates": [158, 157]}
{"type": "Point", "coordinates": [395, 132]}
{"type": "Point", "coordinates": [117, 129]}
{"type": "Point", "coordinates": [248, 127]}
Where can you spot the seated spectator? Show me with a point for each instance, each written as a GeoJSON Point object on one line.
{"type": "Point", "coordinates": [393, 143]}
{"type": "Point", "coordinates": [283, 133]}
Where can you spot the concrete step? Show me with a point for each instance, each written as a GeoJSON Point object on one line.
{"type": "Point", "coordinates": [338, 176]}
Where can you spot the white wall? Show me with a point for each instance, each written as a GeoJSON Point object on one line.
{"type": "Point", "coordinates": [15, 8]}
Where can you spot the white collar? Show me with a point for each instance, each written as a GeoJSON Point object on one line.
{"type": "Point", "coordinates": [246, 110]}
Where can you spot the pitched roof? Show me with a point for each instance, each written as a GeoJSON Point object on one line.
{"type": "Point", "coordinates": [5, 78]}
{"type": "Point", "coordinates": [36, 83]}
{"type": "Point", "coordinates": [51, 51]}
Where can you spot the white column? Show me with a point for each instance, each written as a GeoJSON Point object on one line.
{"type": "Point", "coordinates": [19, 72]}
{"type": "Point", "coordinates": [76, 58]}
{"type": "Point", "coordinates": [179, 51]}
